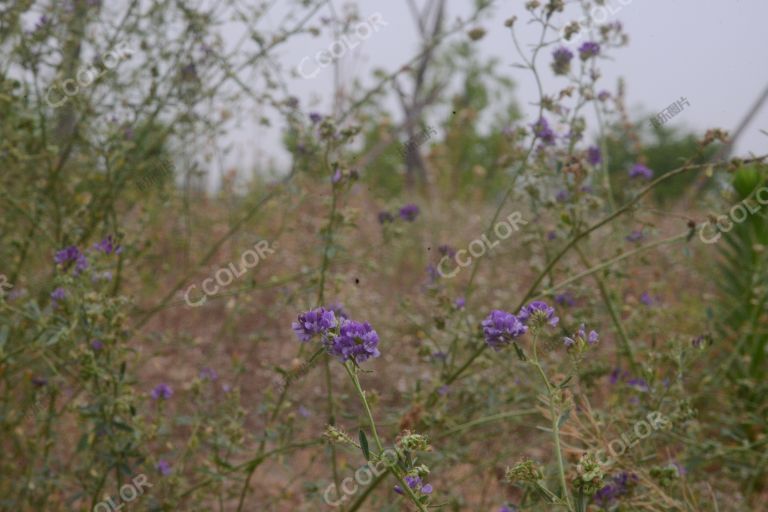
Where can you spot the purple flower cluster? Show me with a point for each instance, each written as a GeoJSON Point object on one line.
{"type": "Point", "coordinates": [635, 236]}
{"type": "Point", "coordinates": [108, 246]}
{"type": "Point", "coordinates": [357, 342]}
{"type": "Point", "coordinates": [542, 130]}
{"type": "Point", "coordinates": [565, 299]}
{"type": "Point", "coordinates": [620, 485]}
{"type": "Point", "coordinates": [415, 483]}
{"type": "Point", "coordinates": [163, 467]}
{"type": "Point", "coordinates": [57, 295]}
{"type": "Point", "coordinates": [538, 310]}
{"type": "Point", "coordinates": [581, 336]}
{"type": "Point", "coordinates": [343, 338]}
{"type": "Point", "coordinates": [408, 213]}
{"type": "Point", "coordinates": [562, 61]}
{"type": "Point", "coordinates": [163, 391]}
{"type": "Point", "coordinates": [69, 255]}
{"type": "Point", "coordinates": [500, 328]}
{"type": "Point", "coordinates": [589, 49]}
{"type": "Point", "coordinates": [640, 171]}
{"type": "Point", "coordinates": [313, 323]}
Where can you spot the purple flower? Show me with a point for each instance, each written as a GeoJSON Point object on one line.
{"type": "Point", "coordinates": [314, 322]}
{"type": "Point", "coordinates": [562, 196]}
{"type": "Point", "coordinates": [336, 176]}
{"type": "Point", "coordinates": [639, 384]}
{"type": "Point", "coordinates": [385, 217]}
{"type": "Point", "coordinates": [357, 342]}
{"type": "Point", "coordinates": [97, 345]}
{"type": "Point", "coordinates": [107, 246]}
{"type": "Point", "coordinates": [542, 130]}
{"type": "Point", "coordinates": [69, 255]}
{"type": "Point", "coordinates": [415, 483]}
{"type": "Point", "coordinates": [163, 467]}
{"type": "Point", "coordinates": [209, 373]}
{"type": "Point", "coordinates": [443, 390]}
{"type": "Point", "coordinates": [551, 235]}
{"type": "Point", "coordinates": [539, 309]}
{"type": "Point", "coordinates": [304, 412]}
{"type": "Point", "coordinates": [569, 342]}
{"type": "Point", "coordinates": [315, 117]}
{"type": "Point", "coordinates": [592, 338]}
{"type": "Point", "coordinates": [409, 212]}
{"type": "Point", "coordinates": [640, 171]}
{"type": "Point", "coordinates": [500, 328]}
{"type": "Point", "coordinates": [635, 236]}
{"type": "Point", "coordinates": [163, 391]}
{"type": "Point", "coordinates": [562, 61]}
{"type": "Point", "coordinates": [646, 299]}
{"type": "Point", "coordinates": [604, 95]}
{"type": "Point", "coordinates": [620, 485]}
{"type": "Point", "coordinates": [594, 156]}
{"type": "Point", "coordinates": [57, 295]}
{"type": "Point", "coordinates": [565, 299]}
{"type": "Point", "coordinates": [507, 508]}
{"type": "Point", "coordinates": [589, 49]}
{"type": "Point", "coordinates": [459, 303]}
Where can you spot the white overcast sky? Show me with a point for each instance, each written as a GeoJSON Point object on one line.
{"type": "Point", "coordinates": [713, 52]}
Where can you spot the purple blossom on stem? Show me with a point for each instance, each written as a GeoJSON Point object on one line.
{"type": "Point", "coordinates": [639, 384]}
{"type": "Point", "coordinates": [539, 309]}
{"type": "Point", "coordinates": [57, 295]}
{"type": "Point", "coordinates": [635, 236]}
{"type": "Point", "coordinates": [107, 246]}
{"type": "Point", "coordinates": [315, 117]}
{"type": "Point", "coordinates": [71, 254]}
{"type": "Point", "coordinates": [312, 323]}
{"type": "Point", "coordinates": [415, 483]}
{"type": "Point", "coordinates": [97, 345]}
{"type": "Point", "coordinates": [356, 341]}
{"type": "Point", "coordinates": [500, 328]}
{"type": "Point", "coordinates": [542, 130]}
{"type": "Point", "coordinates": [163, 467]}
{"type": "Point", "coordinates": [459, 303]}
{"type": "Point", "coordinates": [589, 49]}
{"type": "Point", "coordinates": [561, 64]}
{"type": "Point", "coordinates": [640, 171]}
{"type": "Point", "coordinates": [565, 299]}
{"type": "Point", "coordinates": [646, 299]}
{"type": "Point", "coordinates": [619, 486]}
{"type": "Point", "coordinates": [409, 212]}
{"type": "Point", "coordinates": [163, 391]}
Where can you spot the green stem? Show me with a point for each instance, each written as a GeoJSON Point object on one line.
{"type": "Point", "coordinates": [406, 489]}
{"type": "Point", "coordinates": [555, 425]}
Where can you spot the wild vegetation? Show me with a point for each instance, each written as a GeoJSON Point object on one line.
{"type": "Point", "coordinates": [455, 306]}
